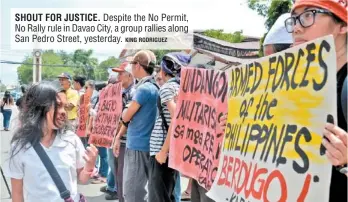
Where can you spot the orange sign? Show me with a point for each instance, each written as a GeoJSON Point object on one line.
{"type": "Point", "coordinates": [196, 136]}
{"type": "Point", "coordinates": [108, 116]}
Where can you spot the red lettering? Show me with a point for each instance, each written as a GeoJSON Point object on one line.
{"type": "Point", "coordinates": [284, 190]}
{"type": "Point", "coordinates": [236, 168]}
{"type": "Point", "coordinates": [247, 171]}
{"type": "Point", "coordinates": [305, 189]}
{"type": "Point", "coordinates": [257, 172]}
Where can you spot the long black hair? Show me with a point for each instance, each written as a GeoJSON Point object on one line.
{"type": "Point", "coordinates": [37, 103]}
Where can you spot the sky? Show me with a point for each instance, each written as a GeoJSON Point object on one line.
{"type": "Point", "coordinates": [230, 15]}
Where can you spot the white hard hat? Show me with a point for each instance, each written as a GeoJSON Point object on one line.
{"type": "Point", "coordinates": [278, 34]}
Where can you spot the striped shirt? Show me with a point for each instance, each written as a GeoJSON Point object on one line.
{"type": "Point", "coordinates": [167, 93]}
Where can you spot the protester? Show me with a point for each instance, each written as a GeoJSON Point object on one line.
{"type": "Point", "coordinates": [126, 78]}
{"type": "Point", "coordinates": [139, 120]}
{"type": "Point", "coordinates": [79, 83]}
{"type": "Point", "coordinates": [162, 178]}
{"type": "Point", "coordinates": [103, 153]}
{"type": "Point", "coordinates": [90, 89]}
{"type": "Point", "coordinates": [277, 39]}
{"type": "Point", "coordinates": [158, 77]}
{"type": "Point", "coordinates": [7, 105]}
{"type": "Point", "coordinates": [19, 101]}
{"type": "Point", "coordinates": [73, 99]}
{"type": "Point", "coordinates": [311, 19]}
{"type": "Point", "coordinates": [43, 122]}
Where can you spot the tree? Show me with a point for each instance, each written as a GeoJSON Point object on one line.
{"type": "Point", "coordinates": [260, 6]}
{"type": "Point", "coordinates": [101, 72]}
{"type": "Point", "coordinates": [272, 11]}
{"type": "Point", "coordinates": [235, 37]}
{"type": "Point", "coordinates": [49, 57]}
{"type": "Point", "coordinates": [84, 62]}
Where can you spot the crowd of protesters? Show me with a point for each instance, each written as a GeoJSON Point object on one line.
{"type": "Point", "coordinates": [135, 168]}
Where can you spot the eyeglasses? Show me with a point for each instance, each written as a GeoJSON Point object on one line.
{"type": "Point", "coordinates": [306, 19]}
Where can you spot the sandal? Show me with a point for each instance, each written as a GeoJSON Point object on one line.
{"type": "Point", "coordinates": [185, 196]}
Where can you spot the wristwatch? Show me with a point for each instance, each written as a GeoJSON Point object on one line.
{"type": "Point", "coordinates": [342, 169]}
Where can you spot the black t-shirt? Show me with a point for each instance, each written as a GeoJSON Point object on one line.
{"type": "Point", "coordinates": [338, 188]}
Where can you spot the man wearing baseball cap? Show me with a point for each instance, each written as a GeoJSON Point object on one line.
{"type": "Point", "coordinates": [312, 19]}
{"type": "Point", "coordinates": [72, 97]}
{"type": "Point", "coordinates": [139, 120]}
{"type": "Point", "coordinates": [114, 190]}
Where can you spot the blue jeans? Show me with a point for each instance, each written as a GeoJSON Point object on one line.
{"type": "Point", "coordinates": [103, 159]}
{"type": "Point", "coordinates": [7, 117]}
{"type": "Point", "coordinates": [111, 179]}
{"type": "Point", "coordinates": [177, 189]}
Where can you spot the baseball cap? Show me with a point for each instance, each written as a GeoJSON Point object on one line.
{"type": "Point", "coordinates": [64, 75]}
{"type": "Point", "coordinates": [124, 67]}
{"type": "Point", "coordinates": [145, 58]}
{"type": "Point", "coordinates": [278, 33]}
{"type": "Point", "coordinates": [337, 7]}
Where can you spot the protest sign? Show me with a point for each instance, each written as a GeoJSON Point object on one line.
{"type": "Point", "coordinates": [277, 110]}
{"type": "Point", "coordinates": [83, 115]}
{"type": "Point", "coordinates": [196, 136]}
{"type": "Point", "coordinates": [108, 116]}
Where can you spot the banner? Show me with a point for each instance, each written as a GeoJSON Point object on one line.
{"type": "Point", "coordinates": [108, 116]}
{"type": "Point", "coordinates": [277, 110]}
{"type": "Point", "coordinates": [196, 141]}
{"type": "Point", "coordinates": [83, 115]}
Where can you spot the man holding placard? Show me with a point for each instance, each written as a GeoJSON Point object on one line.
{"type": "Point", "coordinates": [162, 179]}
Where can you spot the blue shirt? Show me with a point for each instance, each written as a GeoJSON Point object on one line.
{"type": "Point", "coordinates": [143, 121]}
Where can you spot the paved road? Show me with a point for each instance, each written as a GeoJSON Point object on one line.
{"type": "Point", "coordinates": [91, 191]}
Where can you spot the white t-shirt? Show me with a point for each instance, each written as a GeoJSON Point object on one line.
{"type": "Point", "coordinates": [66, 153]}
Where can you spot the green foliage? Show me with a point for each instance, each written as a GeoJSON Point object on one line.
{"type": "Point", "coordinates": [49, 57]}
{"type": "Point", "coordinates": [272, 11]}
{"type": "Point", "coordinates": [235, 37]}
{"type": "Point", "coordinates": [260, 6]}
{"type": "Point", "coordinates": [277, 8]}
{"type": "Point", "coordinates": [80, 62]}
{"type": "Point", "coordinates": [101, 72]}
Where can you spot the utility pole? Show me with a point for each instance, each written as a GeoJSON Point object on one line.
{"type": "Point", "coordinates": [37, 60]}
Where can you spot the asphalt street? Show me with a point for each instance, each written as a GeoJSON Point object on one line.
{"type": "Point", "coordinates": [91, 191]}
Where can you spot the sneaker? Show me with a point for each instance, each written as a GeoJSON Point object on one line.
{"type": "Point", "coordinates": [185, 196]}
{"type": "Point", "coordinates": [111, 196]}
{"type": "Point", "coordinates": [100, 180]}
{"type": "Point", "coordinates": [103, 188]}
